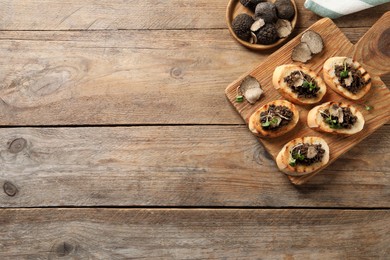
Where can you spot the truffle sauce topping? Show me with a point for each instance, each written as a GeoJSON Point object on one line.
{"type": "Point", "coordinates": [302, 84]}
{"type": "Point", "coordinates": [338, 117]}
{"type": "Point", "coordinates": [275, 117]}
{"type": "Point", "coordinates": [306, 154]}
{"type": "Point", "coordinates": [350, 78]}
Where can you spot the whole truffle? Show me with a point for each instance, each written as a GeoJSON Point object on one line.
{"type": "Point", "coordinates": [266, 11]}
{"type": "Point", "coordinates": [251, 4]}
{"type": "Point", "coordinates": [285, 9]}
{"type": "Point", "coordinates": [267, 34]}
{"type": "Point", "coordinates": [241, 26]}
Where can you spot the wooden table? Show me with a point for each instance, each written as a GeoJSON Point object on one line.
{"type": "Point", "coordinates": [117, 141]}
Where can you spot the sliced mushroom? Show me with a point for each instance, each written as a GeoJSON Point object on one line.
{"type": "Point", "coordinates": [298, 82]}
{"type": "Point", "coordinates": [334, 110]}
{"type": "Point", "coordinates": [253, 94]}
{"type": "Point", "coordinates": [250, 89]}
{"type": "Point", "coordinates": [341, 116]}
{"type": "Point", "coordinates": [297, 79]}
{"type": "Point", "coordinates": [284, 28]}
{"type": "Point", "coordinates": [348, 81]}
{"type": "Point", "coordinates": [257, 25]}
{"type": "Point", "coordinates": [322, 112]}
{"type": "Point", "coordinates": [253, 39]}
{"type": "Point", "coordinates": [311, 43]}
{"type": "Point", "coordinates": [311, 152]}
{"type": "Point", "coordinates": [281, 116]}
{"type": "Point", "coordinates": [301, 53]}
{"type": "Point", "coordinates": [313, 40]}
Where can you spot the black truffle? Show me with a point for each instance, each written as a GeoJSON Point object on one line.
{"type": "Point", "coordinates": [267, 34]}
{"type": "Point", "coordinates": [266, 11]}
{"type": "Point", "coordinates": [242, 26]}
{"type": "Point", "coordinates": [285, 9]}
{"type": "Point", "coordinates": [251, 4]}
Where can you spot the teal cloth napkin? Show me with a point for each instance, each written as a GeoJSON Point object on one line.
{"type": "Point", "coordinates": [337, 8]}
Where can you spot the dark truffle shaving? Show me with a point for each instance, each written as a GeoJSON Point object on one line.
{"type": "Point", "coordinates": [302, 90]}
{"type": "Point", "coordinates": [358, 81]}
{"type": "Point", "coordinates": [303, 154]}
{"type": "Point", "coordinates": [333, 121]}
{"type": "Point", "coordinates": [275, 117]}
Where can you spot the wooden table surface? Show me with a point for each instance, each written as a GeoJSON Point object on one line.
{"type": "Point", "coordinates": [117, 141]}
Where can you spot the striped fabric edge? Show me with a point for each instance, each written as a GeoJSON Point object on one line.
{"type": "Point", "coordinates": [320, 10]}
{"type": "Point", "coordinates": [334, 9]}
{"type": "Point", "coordinates": [375, 2]}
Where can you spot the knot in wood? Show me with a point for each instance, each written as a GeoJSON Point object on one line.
{"type": "Point", "coordinates": [17, 145]}
{"type": "Point", "coordinates": [176, 73]}
{"type": "Point", "coordinates": [63, 249]}
{"type": "Point", "coordinates": [10, 189]}
{"type": "Point", "coordinates": [261, 156]}
{"type": "Point", "coordinates": [384, 42]}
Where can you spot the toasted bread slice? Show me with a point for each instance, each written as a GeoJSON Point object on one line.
{"type": "Point", "coordinates": [285, 70]}
{"type": "Point", "coordinates": [284, 157]}
{"type": "Point", "coordinates": [255, 124]}
{"type": "Point", "coordinates": [333, 81]}
{"type": "Point", "coordinates": [317, 122]}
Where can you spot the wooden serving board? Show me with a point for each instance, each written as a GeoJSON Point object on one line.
{"type": "Point", "coordinates": [372, 51]}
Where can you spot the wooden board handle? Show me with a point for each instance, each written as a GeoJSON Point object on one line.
{"type": "Point", "coordinates": [373, 49]}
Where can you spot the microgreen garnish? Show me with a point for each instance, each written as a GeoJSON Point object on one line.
{"type": "Point", "coordinates": [368, 107]}
{"type": "Point", "coordinates": [333, 123]}
{"type": "Point", "coordinates": [293, 162]}
{"type": "Point", "coordinates": [309, 85]}
{"type": "Point", "coordinates": [267, 123]}
{"type": "Point", "coordinates": [299, 156]}
{"type": "Point", "coordinates": [239, 98]}
{"type": "Point", "coordinates": [312, 87]}
{"type": "Point", "coordinates": [274, 121]}
{"type": "Point", "coordinates": [295, 157]}
{"type": "Point", "coordinates": [344, 73]}
{"type": "Point", "coordinates": [306, 84]}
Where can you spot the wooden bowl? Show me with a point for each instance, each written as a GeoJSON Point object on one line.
{"type": "Point", "coordinates": [235, 8]}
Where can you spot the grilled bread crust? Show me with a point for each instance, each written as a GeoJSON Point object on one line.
{"type": "Point", "coordinates": [333, 82]}
{"type": "Point", "coordinates": [283, 158]}
{"type": "Point", "coordinates": [316, 121]}
{"type": "Point", "coordinates": [285, 70]}
{"type": "Point", "coordinates": [255, 125]}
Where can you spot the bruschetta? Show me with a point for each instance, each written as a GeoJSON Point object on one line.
{"type": "Point", "coordinates": [298, 84]}
{"type": "Point", "coordinates": [274, 119]}
{"type": "Point", "coordinates": [303, 156]}
{"type": "Point", "coordinates": [347, 77]}
{"type": "Point", "coordinates": [336, 118]}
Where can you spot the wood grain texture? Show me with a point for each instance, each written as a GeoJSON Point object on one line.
{"type": "Point", "coordinates": [338, 145]}
{"type": "Point", "coordinates": [177, 166]}
{"type": "Point", "coordinates": [194, 234]}
{"type": "Point", "coordinates": [122, 77]}
{"type": "Point", "coordinates": [147, 14]}
{"type": "Point", "coordinates": [149, 62]}
{"type": "Point", "coordinates": [373, 49]}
